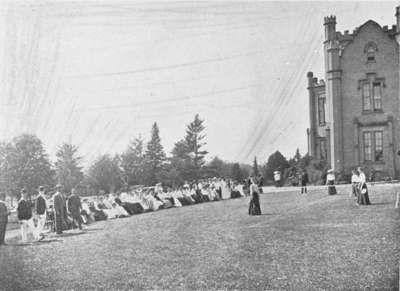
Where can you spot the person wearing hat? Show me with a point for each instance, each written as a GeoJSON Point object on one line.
{"type": "Point", "coordinates": [40, 209]}
{"type": "Point", "coordinates": [330, 181]}
{"type": "Point", "coordinates": [24, 214]}
{"type": "Point", "coordinates": [59, 207]}
{"type": "Point", "coordinates": [4, 213]}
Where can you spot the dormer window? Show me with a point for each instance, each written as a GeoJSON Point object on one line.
{"type": "Point", "coordinates": [370, 51]}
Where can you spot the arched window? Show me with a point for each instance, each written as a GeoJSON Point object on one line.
{"type": "Point", "coordinates": [370, 50]}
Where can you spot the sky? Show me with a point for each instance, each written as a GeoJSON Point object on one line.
{"type": "Point", "coordinates": [99, 73]}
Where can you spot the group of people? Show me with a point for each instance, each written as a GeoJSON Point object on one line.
{"type": "Point", "coordinates": [60, 212]}
{"type": "Point", "coordinates": [64, 211]}
{"type": "Point", "coordinates": [358, 182]}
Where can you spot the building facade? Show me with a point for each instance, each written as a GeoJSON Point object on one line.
{"type": "Point", "coordinates": [355, 110]}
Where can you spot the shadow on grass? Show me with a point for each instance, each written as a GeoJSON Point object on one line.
{"type": "Point", "coordinates": [91, 229]}
{"type": "Point", "coordinates": [21, 244]}
{"type": "Point", "coordinates": [68, 234]}
{"type": "Point", "coordinates": [381, 203]}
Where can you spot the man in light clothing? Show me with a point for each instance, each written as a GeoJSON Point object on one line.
{"type": "Point", "coordinates": [40, 209]}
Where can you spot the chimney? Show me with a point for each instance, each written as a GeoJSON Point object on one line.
{"type": "Point", "coordinates": [330, 27]}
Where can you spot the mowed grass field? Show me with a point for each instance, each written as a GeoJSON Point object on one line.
{"type": "Point", "coordinates": [301, 242]}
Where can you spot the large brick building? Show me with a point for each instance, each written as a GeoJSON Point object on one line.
{"type": "Point", "coordinates": [355, 111]}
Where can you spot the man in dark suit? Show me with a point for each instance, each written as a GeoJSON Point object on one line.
{"type": "Point", "coordinates": [75, 208]}
{"type": "Point", "coordinates": [59, 208]}
{"type": "Point", "coordinates": [304, 181]}
{"type": "Point", "coordinates": [4, 213]}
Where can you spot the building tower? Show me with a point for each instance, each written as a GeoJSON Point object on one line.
{"type": "Point", "coordinates": [333, 77]}
{"type": "Point", "coordinates": [313, 130]}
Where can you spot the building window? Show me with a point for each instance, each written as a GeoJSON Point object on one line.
{"type": "Point", "coordinates": [372, 96]}
{"type": "Point", "coordinates": [322, 149]}
{"type": "Point", "coordinates": [373, 146]}
{"type": "Point", "coordinates": [366, 97]}
{"type": "Point", "coordinates": [371, 54]}
{"type": "Point", "coordinates": [378, 146]}
{"type": "Point", "coordinates": [321, 110]}
{"type": "Point", "coordinates": [367, 146]}
{"type": "Point", "coordinates": [370, 50]}
{"type": "Point", "coordinates": [377, 96]}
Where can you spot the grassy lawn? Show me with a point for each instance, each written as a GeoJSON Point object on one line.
{"type": "Point", "coordinates": [309, 242]}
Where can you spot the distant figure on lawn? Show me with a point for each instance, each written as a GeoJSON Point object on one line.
{"type": "Point", "coordinates": [254, 207]}
{"type": "Point", "coordinates": [363, 197]}
{"type": "Point", "coordinates": [4, 213]}
{"type": "Point", "coordinates": [40, 209]}
{"type": "Point", "coordinates": [24, 213]}
{"type": "Point", "coordinates": [355, 184]}
{"type": "Point", "coordinates": [277, 178]}
{"type": "Point", "coordinates": [304, 181]}
{"type": "Point", "coordinates": [330, 181]}
{"type": "Point", "coordinates": [75, 208]}
{"type": "Point", "coordinates": [59, 207]}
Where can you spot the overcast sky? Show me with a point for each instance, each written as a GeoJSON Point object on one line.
{"type": "Point", "coordinates": [99, 73]}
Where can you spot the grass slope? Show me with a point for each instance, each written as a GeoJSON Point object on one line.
{"type": "Point", "coordinates": [308, 242]}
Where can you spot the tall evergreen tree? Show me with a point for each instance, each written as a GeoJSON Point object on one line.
{"type": "Point", "coordinates": [155, 156]}
{"type": "Point", "coordinates": [133, 162]}
{"type": "Point", "coordinates": [194, 140]}
{"type": "Point", "coordinates": [297, 155]}
{"type": "Point", "coordinates": [68, 169]}
{"type": "Point", "coordinates": [256, 172]}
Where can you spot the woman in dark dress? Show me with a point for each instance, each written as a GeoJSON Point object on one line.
{"type": "Point", "coordinates": [254, 207]}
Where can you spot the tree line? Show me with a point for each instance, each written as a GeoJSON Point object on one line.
{"type": "Point", "coordinates": [24, 163]}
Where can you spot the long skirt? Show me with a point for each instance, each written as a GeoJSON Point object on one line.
{"type": "Point", "coordinates": [254, 207]}
{"type": "Point", "coordinates": [59, 221]}
{"type": "Point", "coordinates": [331, 188]}
{"type": "Point", "coordinates": [235, 194]}
{"type": "Point", "coordinates": [363, 199]}
{"type": "Point", "coordinates": [132, 208]}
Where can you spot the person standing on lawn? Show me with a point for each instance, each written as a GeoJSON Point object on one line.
{"type": "Point", "coordinates": [75, 208]}
{"type": "Point", "coordinates": [254, 207]}
{"type": "Point", "coordinates": [355, 185]}
{"type": "Point", "coordinates": [4, 213]}
{"type": "Point", "coordinates": [330, 181]}
{"type": "Point", "coordinates": [59, 207]}
{"type": "Point", "coordinates": [304, 181]}
{"type": "Point", "coordinates": [364, 197]}
{"type": "Point", "coordinates": [24, 213]}
{"type": "Point", "coordinates": [40, 209]}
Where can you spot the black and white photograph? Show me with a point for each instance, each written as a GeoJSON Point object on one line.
{"type": "Point", "coordinates": [199, 145]}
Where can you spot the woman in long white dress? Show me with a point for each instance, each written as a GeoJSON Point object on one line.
{"type": "Point", "coordinates": [226, 192]}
